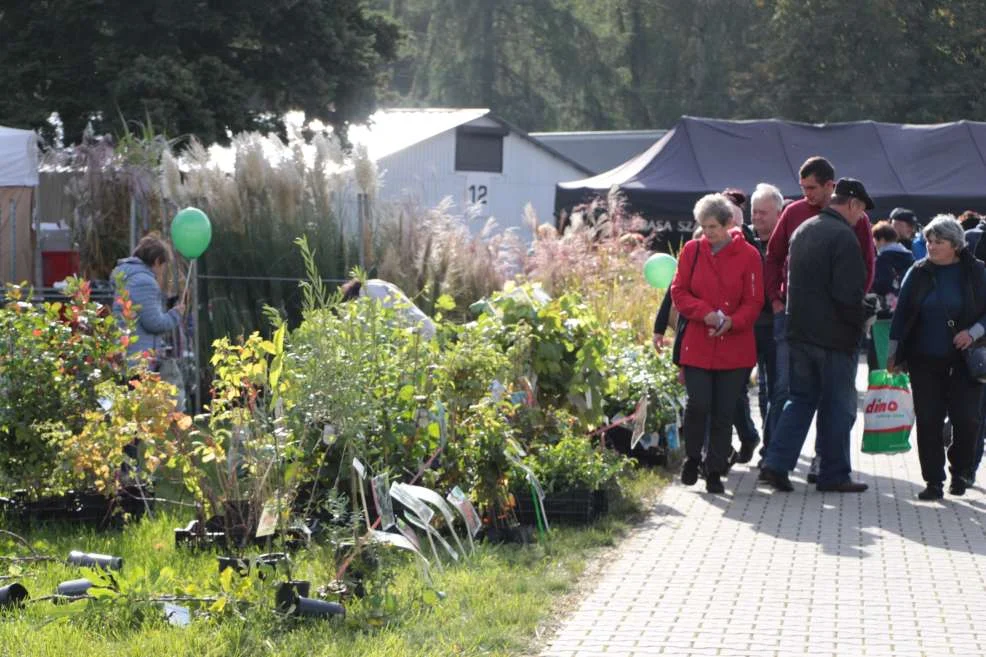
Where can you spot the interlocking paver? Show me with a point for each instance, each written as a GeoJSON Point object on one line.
{"type": "Point", "coordinates": [761, 573]}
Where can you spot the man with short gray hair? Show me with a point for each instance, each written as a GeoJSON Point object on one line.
{"type": "Point", "coordinates": [766, 204]}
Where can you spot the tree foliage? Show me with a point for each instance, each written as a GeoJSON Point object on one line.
{"type": "Point", "coordinates": [604, 64]}
{"type": "Point", "coordinates": [189, 67]}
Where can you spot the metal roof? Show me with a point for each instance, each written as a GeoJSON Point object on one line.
{"type": "Point", "coordinates": [600, 150]}
{"type": "Point", "coordinates": [389, 131]}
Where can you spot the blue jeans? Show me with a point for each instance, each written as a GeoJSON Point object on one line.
{"type": "Point", "coordinates": [782, 367]}
{"type": "Point", "coordinates": [822, 380]}
{"type": "Point", "coordinates": [742, 419]}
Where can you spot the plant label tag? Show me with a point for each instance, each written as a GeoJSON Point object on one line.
{"type": "Point", "coordinates": [359, 468]}
{"type": "Point", "coordinates": [407, 534]}
{"type": "Point", "coordinates": [177, 615]}
{"type": "Point", "coordinates": [413, 504]}
{"type": "Point", "coordinates": [431, 497]}
{"type": "Point", "coordinates": [381, 499]}
{"type": "Point", "coordinates": [465, 508]}
{"type": "Point", "coordinates": [268, 517]}
{"type": "Point", "coordinates": [639, 421]}
{"type": "Point", "coordinates": [442, 424]}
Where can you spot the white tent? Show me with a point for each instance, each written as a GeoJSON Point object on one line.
{"type": "Point", "coordinates": [18, 178]}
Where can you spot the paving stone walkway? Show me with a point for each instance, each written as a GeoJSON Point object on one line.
{"type": "Point", "coordinates": [755, 572]}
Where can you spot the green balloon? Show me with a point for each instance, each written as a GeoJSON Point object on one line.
{"type": "Point", "coordinates": [191, 232]}
{"type": "Point", "coordinates": [659, 270]}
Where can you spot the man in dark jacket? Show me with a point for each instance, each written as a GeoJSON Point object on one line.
{"type": "Point", "coordinates": [826, 284]}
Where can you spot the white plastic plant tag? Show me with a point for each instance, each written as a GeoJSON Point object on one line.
{"type": "Point", "coordinates": [413, 504]}
{"type": "Point", "coordinates": [268, 517]}
{"type": "Point", "coordinates": [431, 497]}
{"type": "Point", "coordinates": [359, 468]}
{"type": "Point", "coordinates": [407, 534]}
{"type": "Point", "coordinates": [431, 533]}
{"type": "Point", "coordinates": [639, 421]}
{"type": "Point", "coordinates": [381, 498]}
{"type": "Point", "coordinates": [461, 502]}
{"type": "Point", "coordinates": [177, 615]}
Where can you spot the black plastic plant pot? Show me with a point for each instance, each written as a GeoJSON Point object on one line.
{"type": "Point", "coordinates": [241, 566]}
{"type": "Point", "coordinates": [12, 595]}
{"type": "Point", "coordinates": [289, 592]}
{"type": "Point", "coordinates": [74, 587]}
{"type": "Point", "coordinates": [93, 560]}
{"type": "Point", "coordinates": [312, 608]}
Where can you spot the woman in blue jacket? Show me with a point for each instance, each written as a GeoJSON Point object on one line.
{"type": "Point", "coordinates": [141, 275]}
{"type": "Point", "coordinates": [941, 311]}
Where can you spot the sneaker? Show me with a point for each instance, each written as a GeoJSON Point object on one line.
{"type": "Point", "coordinates": [713, 484]}
{"type": "Point", "coordinates": [689, 472]}
{"type": "Point", "coordinates": [747, 450]}
{"type": "Point", "coordinates": [813, 470]}
{"type": "Point", "coordinates": [847, 486]}
{"type": "Point", "coordinates": [776, 480]}
{"type": "Point", "coordinates": [958, 486]}
{"type": "Point", "coordinates": [933, 491]}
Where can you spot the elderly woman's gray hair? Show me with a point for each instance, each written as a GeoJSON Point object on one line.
{"type": "Point", "coordinates": [945, 227]}
{"type": "Point", "coordinates": [714, 206]}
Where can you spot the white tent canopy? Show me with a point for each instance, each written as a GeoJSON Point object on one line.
{"type": "Point", "coordinates": [18, 158]}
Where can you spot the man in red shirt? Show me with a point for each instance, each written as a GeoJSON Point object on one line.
{"type": "Point", "coordinates": [817, 184]}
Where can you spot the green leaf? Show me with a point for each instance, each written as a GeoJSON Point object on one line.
{"type": "Point", "coordinates": [445, 302]}
{"type": "Point", "coordinates": [406, 393]}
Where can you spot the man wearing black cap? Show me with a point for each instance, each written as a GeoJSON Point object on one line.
{"type": "Point", "coordinates": [825, 316]}
{"type": "Point", "coordinates": [908, 229]}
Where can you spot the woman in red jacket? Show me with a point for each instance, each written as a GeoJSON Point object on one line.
{"type": "Point", "coordinates": [718, 287]}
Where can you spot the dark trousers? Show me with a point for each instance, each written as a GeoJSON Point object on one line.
{"type": "Point", "coordinates": [766, 372]}
{"type": "Point", "coordinates": [742, 419]}
{"type": "Point", "coordinates": [712, 396]}
{"type": "Point", "coordinates": [942, 388]}
{"type": "Point", "coordinates": [981, 436]}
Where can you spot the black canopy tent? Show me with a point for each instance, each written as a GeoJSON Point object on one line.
{"type": "Point", "coordinates": [927, 168]}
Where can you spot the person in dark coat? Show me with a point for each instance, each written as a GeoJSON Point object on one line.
{"type": "Point", "coordinates": [892, 262]}
{"type": "Point", "coordinates": [825, 316]}
{"type": "Point", "coordinates": [941, 312]}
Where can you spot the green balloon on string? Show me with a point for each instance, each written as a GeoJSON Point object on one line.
{"type": "Point", "coordinates": [191, 232]}
{"type": "Point", "coordinates": [659, 270]}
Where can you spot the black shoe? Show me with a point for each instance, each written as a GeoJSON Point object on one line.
{"type": "Point", "coordinates": [689, 472]}
{"type": "Point", "coordinates": [777, 480]}
{"type": "Point", "coordinates": [746, 451]}
{"type": "Point", "coordinates": [932, 492]}
{"type": "Point", "coordinates": [958, 486]}
{"type": "Point", "coordinates": [847, 486]}
{"type": "Point", "coordinates": [812, 477]}
{"type": "Point", "coordinates": [713, 484]}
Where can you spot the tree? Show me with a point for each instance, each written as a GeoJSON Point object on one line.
{"type": "Point", "coordinates": [190, 67]}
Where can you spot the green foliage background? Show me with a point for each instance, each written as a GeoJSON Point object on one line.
{"type": "Point", "coordinates": [618, 64]}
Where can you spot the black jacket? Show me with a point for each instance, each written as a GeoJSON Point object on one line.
{"type": "Point", "coordinates": [923, 274]}
{"type": "Point", "coordinates": [826, 283]}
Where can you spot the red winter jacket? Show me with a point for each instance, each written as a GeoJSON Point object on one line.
{"type": "Point", "coordinates": [730, 281]}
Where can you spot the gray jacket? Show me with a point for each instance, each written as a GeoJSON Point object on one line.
{"type": "Point", "coordinates": [152, 321]}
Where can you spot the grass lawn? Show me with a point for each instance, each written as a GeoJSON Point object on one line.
{"type": "Point", "coordinates": [494, 603]}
